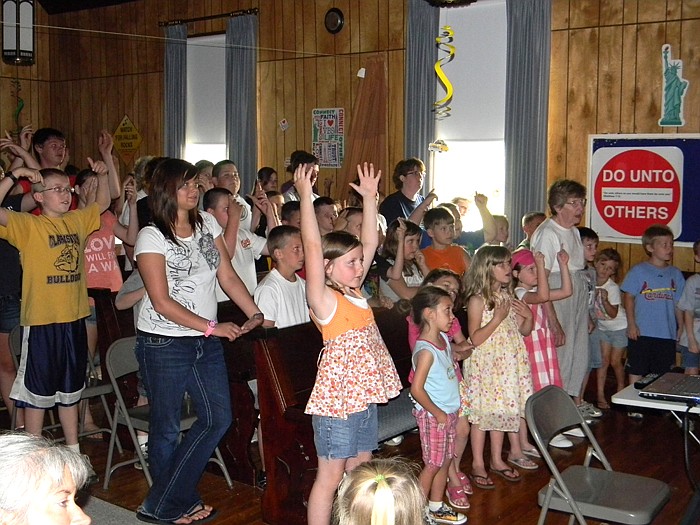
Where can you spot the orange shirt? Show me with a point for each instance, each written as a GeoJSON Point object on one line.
{"type": "Point", "coordinates": [451, 258]}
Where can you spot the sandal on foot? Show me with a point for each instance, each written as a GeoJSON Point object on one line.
{"type": "Point", "coordinates": [457, 498]}
{"type": "Point", "coordinates": [532, 452]}
{"type": "Point", "coordinates": [200, 509]}
{"type": "Point", "coordinates": [150, 519]}
{"type": "Point", "coordinates": [466, 484]}
{"type": "Point", "coordinates": [603, 405]}
{"type": "Point", "coordinates": [524, 463]}
{"type": "Point", "coordinates": [483, 482]}
{"type": "Point", "coordinates": [508, 473]}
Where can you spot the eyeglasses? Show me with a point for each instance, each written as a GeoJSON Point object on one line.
{"type": "Point", "coordinates": [58, 190]}
{"type": "Point", "coordinates": [577, 202]}
{"type": "Point", "coordinates": [415, 172]}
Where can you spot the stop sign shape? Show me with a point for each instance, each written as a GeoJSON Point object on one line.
{"type": "Point", "coordinates": [635, 189]}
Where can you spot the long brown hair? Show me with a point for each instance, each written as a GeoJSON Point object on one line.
{"type": "Point", "coordinates": [168, 177]}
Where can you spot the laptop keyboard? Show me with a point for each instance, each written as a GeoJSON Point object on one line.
{"type": "Point", "coordinates": [689, 385]}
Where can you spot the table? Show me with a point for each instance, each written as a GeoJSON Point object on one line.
{"type": "Point", "coordinates": [629, 396]}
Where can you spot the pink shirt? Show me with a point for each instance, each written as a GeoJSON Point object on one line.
{"type": "Point", "coordinates": [101, 264]}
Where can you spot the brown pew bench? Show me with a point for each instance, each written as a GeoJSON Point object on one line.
{"type": "Point", "coordinates": [286, 369]}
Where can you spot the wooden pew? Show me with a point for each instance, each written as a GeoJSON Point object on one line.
{"type": "Point", "coordinates": [286, 369]}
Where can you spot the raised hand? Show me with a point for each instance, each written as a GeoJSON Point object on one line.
{"type": "Point", "coordinates": [105, 143]}
{"type": "Point", "coordinates": [304, 176]}
{"type": "Point", "coordinates": [31, 175]}
{"type": "Point", "coordinates": [401, 229]}
{"type": "Point", "coordinates": [25, 137]}
{"type": "Point", "coordinates": [98, 166]}
{"type": "Point", "coordinates": [130, 191]}
{"type": "Point", "coordinates": [368, 181]}
{"type": "Point", "coordinates": [480, 199]}
{"type": "Point", "coordinates": [562, 257]}
{"type": "Point", "coordinates": [235, 208]}
{"type": "Point", "coordinates": [539, 258]}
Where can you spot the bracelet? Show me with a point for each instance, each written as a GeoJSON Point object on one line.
{"type": "Point", "coordinates": [259, 314]}
{"type": "Point", "coordinates": [11, 176]}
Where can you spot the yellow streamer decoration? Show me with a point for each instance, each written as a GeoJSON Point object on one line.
{"type": "Point", "coordinates": [441, 107]}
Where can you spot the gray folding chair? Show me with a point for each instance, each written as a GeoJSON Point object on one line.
{"type": "Point", "coordinates": [120, 362]}
{"type": "Point", "coordinates": [582, 490]}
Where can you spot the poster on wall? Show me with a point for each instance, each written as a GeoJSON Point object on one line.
{"type": "Point", "coordinates": [635, 181]}
{"type": "Point", "coordinates": [328, 136]}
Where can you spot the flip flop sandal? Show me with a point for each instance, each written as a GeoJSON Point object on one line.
{"type": "Point", "coordinates": [466, 484]}
{"type": "Point", "coordinates": [455, 495]}
{"type": "Point", "coordinates": [482, 481]}
{"type": "Point", "coordinates": [524, 463]}
{"type": "Point", "coordinates": [514, 478]}
{"type": "Point", "coordinates": [532, 452]}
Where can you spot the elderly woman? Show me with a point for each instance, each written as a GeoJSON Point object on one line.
{"type": "Point", "coordinates": [38, 482]}
{"type": "Point", "coordinates": [568, 318]}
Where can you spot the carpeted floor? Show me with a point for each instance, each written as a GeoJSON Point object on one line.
{"type": "Point", "coordinates": [103, 513]}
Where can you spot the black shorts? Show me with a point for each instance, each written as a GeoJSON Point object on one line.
{"type": "Point", "coordinates": [650, 355]}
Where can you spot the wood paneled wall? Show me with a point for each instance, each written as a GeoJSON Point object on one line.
{"type": "Point", "coordinates": [97, 65]}
{"type": "Point", "coordinates": [606, 77]}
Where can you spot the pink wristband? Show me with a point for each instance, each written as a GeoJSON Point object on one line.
{"type": "Point", "coordinates": [210, 328]}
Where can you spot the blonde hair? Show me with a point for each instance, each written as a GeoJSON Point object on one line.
{"type": "Point", "coordinates": [380, 492]}
{"type": "Point", "coordinates": [479, 278]}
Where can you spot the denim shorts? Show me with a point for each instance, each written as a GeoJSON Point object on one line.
{"type": "Point", "coordinates": [688, 358]}
{"type": "Point", "coordinates": [337, 438]}
{"type": "Point", "coordinates": [9, 312]}
{"type": "Point", "coordinates": [92, 319]}
{"type": "Point", "coordinates": [595, 359]}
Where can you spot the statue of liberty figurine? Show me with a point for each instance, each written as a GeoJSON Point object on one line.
{"type": "Point", "coordinates": [674, 91]}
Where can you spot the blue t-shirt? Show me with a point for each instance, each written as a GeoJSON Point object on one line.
{"type": "Point", "coordinates": [441, 384]}
{"type": "Point", "coordinates": [656, 292]}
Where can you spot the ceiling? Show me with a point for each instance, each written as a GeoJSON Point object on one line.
{"type": "Point", "coordinates": [53, 7]}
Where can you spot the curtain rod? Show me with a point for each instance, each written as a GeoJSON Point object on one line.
{"type": "Point", "coordinates": [240, 12]}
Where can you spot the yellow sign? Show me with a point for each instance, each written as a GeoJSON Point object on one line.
{"type": "Point", "coordinates": [127, 140]}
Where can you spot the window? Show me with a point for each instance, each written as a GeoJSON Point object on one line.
{"type": "Point", "coordinates": [206, 99]}
{"type": "Point", "coordinates": [475, 160]}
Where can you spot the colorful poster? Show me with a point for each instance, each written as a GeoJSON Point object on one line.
{"type": "Point", "coordinates": [635, 181]}
{"type": "Point", "coordinates": [328, 136]}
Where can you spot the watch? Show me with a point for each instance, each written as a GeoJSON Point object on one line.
{"type": "Point", "coordinates": [11, 176]}
{"type": "Point", "coordinates": [210, 328]}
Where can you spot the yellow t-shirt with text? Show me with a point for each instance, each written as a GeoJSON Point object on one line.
{"type": "Point", "coordinates": [52, 250]}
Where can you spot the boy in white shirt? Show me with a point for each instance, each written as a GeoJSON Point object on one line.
{"type": "Point", "coordinates": [281, 295]}
{"type": "Point", "coordinates": [243, 245]}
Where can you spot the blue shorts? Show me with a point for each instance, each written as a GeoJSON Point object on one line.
{"type": "Point", "coordinates": [595, 359]}
{"type": "Point", "coordinates": [615, 338]}
{"type": "Point", "coordinates": [10, 306]}
{"type": "Point", "coordinates": [92, 318]}
{"type": "Point", "coordinates": [337, 438]}
{"type": "Point", "coordinates": [52, 367]}
{"type": "Point", "coordinates": [688, 358]}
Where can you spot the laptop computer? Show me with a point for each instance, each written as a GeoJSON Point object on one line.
{"type": "Point", "coordinates": [672, 386]}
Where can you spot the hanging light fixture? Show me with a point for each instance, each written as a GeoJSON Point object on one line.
{"type": "Point", "coordinates": [450, 3]}
{"type": "Point", "coordinates": [18, 32]}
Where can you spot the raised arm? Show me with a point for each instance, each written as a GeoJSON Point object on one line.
{"type": "Point", "coordinates": [128, 234]}
{"type": "Point", "coordinates": [102, 197]}
{"type": "Point", "coordinates": [235, 209]}
{"type": "Point", "coordinates": [396, 271]}
{"type": "Point", "coordinates": [417, 215]}
{"type": "Point", "coordinates": [9, 180]}
{"type": "Point", "coordinates": [105, 144]}
{"type": "Point", "coordinates": [566, 286]}
{"type": "Point", "coordinates": [369, 182]}
{"type": "Point", "coordinates": [487, 220]}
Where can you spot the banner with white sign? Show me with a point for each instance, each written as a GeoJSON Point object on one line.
{"type": "Point", "coordinates": [635, 181]}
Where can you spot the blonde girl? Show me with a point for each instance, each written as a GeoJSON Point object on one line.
{"type": "Point", "coordinates": [498, 373]}
{"type": "Point", "coordinates": [435, 392]}
{"type": "Point", "coordinates": [403, 262]}
{"type": "Point", "coordinates": [344, 411]}
{"type": "Point", "coordinates": [380, 492]}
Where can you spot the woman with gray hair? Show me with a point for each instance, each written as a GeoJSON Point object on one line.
{"type": "Point", "coordinates": [38, 482]}
{"type": "Point", "coordinates": [568, 318]}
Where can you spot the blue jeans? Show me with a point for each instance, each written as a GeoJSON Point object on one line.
{"type": "Point", "coordinates": [170, 367]}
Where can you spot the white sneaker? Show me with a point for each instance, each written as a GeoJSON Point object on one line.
{"type": "Point", "coordinates": [587, 409]}
{"type": "Point", "coordinates": [575, 432]}
{"type": "Point", "coordinates": [446, 514]}
{"type": "Point", "coordinates": [559, 441]}
{"type": "Point", "coordinates": [394, 442]}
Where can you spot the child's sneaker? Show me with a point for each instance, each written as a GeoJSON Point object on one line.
{"type": "Point", "coordinates": [144, 451]}
{"type": "Point", "coordinates": [92, 475]}
{"type": "Point", "coordinates": [588, 409]}
{"type": "Point", "coordinates": [446, 514]}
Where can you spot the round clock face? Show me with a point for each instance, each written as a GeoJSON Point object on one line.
{"type": "Point", "coordinates": [334, 20]}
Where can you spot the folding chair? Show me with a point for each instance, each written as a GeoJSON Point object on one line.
{"type": "Point", "coordinates": [121, 361]}
{"type": "Point", "coordinates": [582, 490]}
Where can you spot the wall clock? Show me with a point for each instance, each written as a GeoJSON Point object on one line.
{"type": "Point", "coordinates": [334, 20]}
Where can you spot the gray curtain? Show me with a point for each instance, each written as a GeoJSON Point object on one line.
{"type": "Point", "coordinates": [421, 86]}
{"type": "Point", "coordinates": [527, 95]}
{"type": "Point", "coordinates": [241, 96]}
{"type": "Point", "coordinates": [175, 88]}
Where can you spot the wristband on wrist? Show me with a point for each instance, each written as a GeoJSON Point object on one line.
{"type": "Point", "coordinates": [210, 328]}
{"type": "Point", "coordinates": [257, 315]}
{"type": "Point", "coordinates": [11, 176]}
